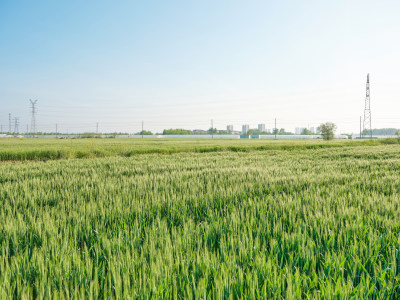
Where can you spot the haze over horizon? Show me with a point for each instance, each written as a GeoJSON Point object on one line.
{"type": "Point", "coordinates": [178, 65]}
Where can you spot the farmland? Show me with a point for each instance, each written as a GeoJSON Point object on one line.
{"type": "Point", "coordinates": [50, 149]}
{"type": "Point", "coordinates": [199, 219]}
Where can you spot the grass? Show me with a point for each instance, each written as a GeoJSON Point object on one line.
{"type": "Point", "coordinates": [51, 149]}
{"type": "Point", "coordinates": [312, 222]}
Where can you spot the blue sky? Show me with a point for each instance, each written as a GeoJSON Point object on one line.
{"type": "Point", "coordinates": [183, 63]}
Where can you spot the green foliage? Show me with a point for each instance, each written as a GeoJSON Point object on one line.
{"type": "Point", "coordinates": [384, 131]}
{"type": "Point", "coordinates": [145, 132]}
{"type": "Point", "coordinates": [89, 135]}
{"type": "Point", "coordinates": [212, 130]}
{"type": "Point", "coordinates": [176, 131]}
{"type": "Point", "coordinates": [51, 149]}
{"type": "Point", "coordinates": [306, 132]}
{"type": "Point", "coordinates": [224, 132]}
{"type": "Point", "coordinates": [328, 130]}
{"type": "Point", "coordinates": [309, 223]}
{"type": "Point", "coordinates": [280, 131]}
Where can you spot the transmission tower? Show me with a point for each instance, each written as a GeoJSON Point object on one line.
{"type": "Point", "coordinates": [9, 123]}
{"type": "Point", "coordinates": [367, 112]}
{"type": "Point", "coordinates": [33, 121]}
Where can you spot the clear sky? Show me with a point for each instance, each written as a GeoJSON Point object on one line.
{"type": "Point", "coordinates": [182, 63]}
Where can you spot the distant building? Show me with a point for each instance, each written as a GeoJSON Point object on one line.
{"type": "Point", "coordinates": [315, 130]}
{"type": "Point", "coordinates": [269, 130]}
{"type": "Point", "coordinates": [261, 127]}
{"type": "Point", "coordinates": [245, 128]}
{"type": "Point", "coordinates": [229, 128]}
{"type": "Point", "coordinates": [299, 130]}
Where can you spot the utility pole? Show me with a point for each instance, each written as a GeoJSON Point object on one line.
{"type": "Point", "coordinates": [275, 128]}
{"type": "Point", "coordinates": [1, 128]}
{"type": "Point", "coordinates": [97, 127]}
{"type": "Point", "coordinates": [212, 128]}
{"type": "Point", "coordinates": [367, 111]}
{"type": "Point", "coordinates": [33, 120]}
{"type": "Point", "coordinates": [56, 130]}
{"type": "Point", "coordinates": [27, 129]}
{"type": "Point", "coordinates": [9, 123]}
{"type": "Point", "coordinates": [142, 128]}
{"type": "Point", "coordinates": [360, 127]}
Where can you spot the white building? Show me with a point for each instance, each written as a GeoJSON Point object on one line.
{"type": "Point", "coordinates": [261, 127]}
{"type": "Point", "coordinates": [229, 128]}
{"type": "Point", "coordinates": [314, 130]}
{"type": "Point", "coordinates": [245, 128]}
{"type": "Point", "coordinates": [299, 130]}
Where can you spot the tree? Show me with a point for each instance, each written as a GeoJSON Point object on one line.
{"type": "Point", "coordinates": [253, 132]}
{"type": "Point", "coordinates": [212, 130]}
{"type": "Point", "coordinates": [306, 132]}
{"type": "Point", "coordinates": [176, 131]}
{"type": "Point", "coordinates": [328, 130]}
{"type": "Point", "coordinates": [224, 132]}
{"type": "Point", "coordinates": [398, 134]}
{"type": "Point", "coordinates": [145, 132]}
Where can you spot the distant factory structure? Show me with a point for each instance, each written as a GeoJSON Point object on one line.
{"type": "Point", "coordinates": [300, 130]}
{"type": "Point", "coordinates": [315, 130]}
{"type": "Point", "coordinates": [261, 129]}
{"type": "Point", "coordinates": [245, 128]}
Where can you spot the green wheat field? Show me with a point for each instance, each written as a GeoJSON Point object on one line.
{"type": "Point", "coordinates": [191, 219]}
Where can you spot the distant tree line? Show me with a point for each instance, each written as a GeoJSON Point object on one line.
{"type": "Point", "coordinates": [176, 131]}
{"type": "Point", "coordinates": [308, 131]}
{"type": "Point", "coordinates": [144, 132]}
{"type": "Point", "coordinates": [327, 131]}
{"type": "Point", "coordinates": [381, 131]}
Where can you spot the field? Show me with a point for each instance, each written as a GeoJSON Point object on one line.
{"type": "Point", "coordinates": [49, 149]}
{"type": "Point", "coordinates": [199, 219]}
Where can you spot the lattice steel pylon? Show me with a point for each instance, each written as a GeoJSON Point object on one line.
{"type": "Point", "coordinates": [33, 120]}
{"type": "Point", "coordinates": [367, 129]}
